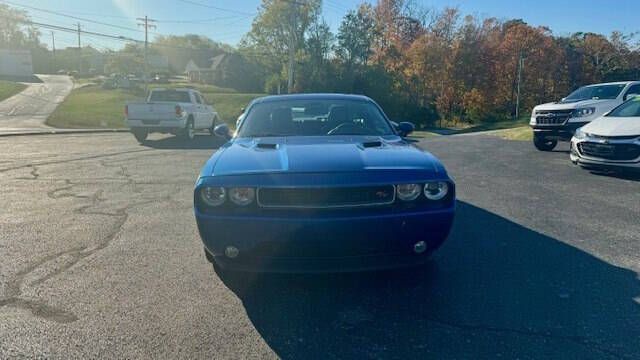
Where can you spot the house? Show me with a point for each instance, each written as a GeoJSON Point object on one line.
{"type": "Point", "coordinates": [228, 70]}
{"type": "Point", "coordinates": [204, 71]}
{"type": "Point", "coordinates": [16, 63]}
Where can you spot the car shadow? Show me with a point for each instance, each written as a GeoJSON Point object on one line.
{"type": "Point", "coordinates": [200, 141]}
{"type": "Point", "coordinates": [496, 289]}
{"type": "Point", "coordinates": [618, 174]}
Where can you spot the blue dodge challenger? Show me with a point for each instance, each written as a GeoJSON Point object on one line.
{"type": "Point", "coordinates": [321, 183]}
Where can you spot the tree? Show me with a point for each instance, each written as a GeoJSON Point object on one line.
{"type": "Point", "coordinates": [356, 36]}
{"type": "Point", "coordinates": [15, 32]}
{"type": "Point", "coordinates": [181, 49]}
{"type": "Point", "coordinates": [279, 28]}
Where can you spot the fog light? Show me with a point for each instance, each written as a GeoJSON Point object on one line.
{"type": "Point", "coordinates": [231, 252]}
{"type": "Point", "coordinates": [420, 247]}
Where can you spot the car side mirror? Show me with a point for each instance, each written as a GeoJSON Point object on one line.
{"type": "Point", "coordinates": [222, 131]}
{"type": "Point", "coordinates": [405, 128]}
{"type": "Point", "coordinates": [630, 96]}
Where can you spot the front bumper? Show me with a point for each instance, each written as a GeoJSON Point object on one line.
{"type": "Point", "coordinates": [324, 244]}
{"type": "Point", "coordinates": [562, 132]}
{"type": "Point", "coordinates": [599, 163]}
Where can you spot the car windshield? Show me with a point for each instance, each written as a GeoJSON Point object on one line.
{"type": "Point", "coordinates": [629, 109]}
{"type": "Point", "coordinates": [314, 118]}
{"type": "Point", "coordinates": [170, 95]}
{"type": "Point", "coordinates": [600, 92]}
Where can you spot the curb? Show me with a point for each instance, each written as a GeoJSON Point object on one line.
{"type": "Point", "coordinates": [62, 132]}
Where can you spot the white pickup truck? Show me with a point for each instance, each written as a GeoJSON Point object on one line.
{"type": "Point", "coordinates": [176, 111]}
{"type": "Point", "coordinates": [559, 120]}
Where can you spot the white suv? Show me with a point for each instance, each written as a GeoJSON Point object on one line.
{"type": "Point", "coordinates": [611, 141]}
{"type": "Point", "coordinates": [559, 120]}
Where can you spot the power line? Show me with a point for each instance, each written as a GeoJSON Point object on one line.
{"type": "Point", "coordinates": [215, 7]}
{"type": "Point", "coordinates": [72, 17]}
{"type": "Point", "coordinates": [74, 31]}
{"type": "Point", "coordinates": [200, 21]}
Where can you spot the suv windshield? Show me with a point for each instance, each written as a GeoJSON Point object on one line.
{"type": "Point", "coordinates": [628, 109]}
{"type": "Point", "coordinates": [314, 118]}
{"type": "Point", "coordinates": [601, 92]}
{"type": "Point", "coordinates": [170, 95]}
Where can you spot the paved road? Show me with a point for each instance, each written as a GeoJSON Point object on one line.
{"type": "Point", "coordinates": [101, 258]}
{"type": "Point", "coordinates": [31, 108]}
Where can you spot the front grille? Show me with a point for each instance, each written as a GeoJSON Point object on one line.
{"type": "Point", "coordinates": [615, 152]}
{"type": "Point", "coordinates": [552, 117]}
{"type": "Point", "coordinates": [326, 197]}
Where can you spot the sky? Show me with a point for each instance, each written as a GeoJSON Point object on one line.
{"type": "Point", "coordinates": [228, 20]}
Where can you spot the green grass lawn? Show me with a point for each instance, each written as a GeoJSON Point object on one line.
{"type": "Point", "coordinates": [10, 88]}
{"type": "Point", "coordinates": [522, 133]}
{"type": "Point", "coordinates": [91, 107]}
{"type": "Point", "coordinates": [94, 107]}
{"type": "Point", "coordinates": [229, 105]}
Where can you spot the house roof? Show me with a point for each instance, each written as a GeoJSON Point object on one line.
{"type": "Point", "coordinates": [216, 61]}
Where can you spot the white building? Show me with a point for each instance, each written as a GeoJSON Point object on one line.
{"type": "Point", "coordinates": [15, 63]}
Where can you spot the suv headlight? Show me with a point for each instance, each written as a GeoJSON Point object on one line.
{"type": "Point", "coordinates": [213, 195]}
{"type": "Point", "coordinates": [408, 192]}
{"type": "Point", "coordinates": [583, 112]}
{"type": "Point", "coordinates": [436, 190]}
{"type": "Point", "coordinates": [242, 196]}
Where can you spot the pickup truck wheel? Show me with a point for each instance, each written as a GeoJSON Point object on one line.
{"type": "Point", "coordinates": [189, 131]}
{"type": "Point", "coordinates": [140, 135]}
{"type": "Point", "coordinates": [543, 144]}
{"type": "Point", "coordinates": [213, 127]}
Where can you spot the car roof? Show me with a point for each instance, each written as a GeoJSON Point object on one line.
{"type": "Point", "coordinates": [319, 96]}
{"type": "Point", "coordinates": [615, 83]}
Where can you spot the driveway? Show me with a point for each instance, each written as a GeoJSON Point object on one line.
{"type": "Point", "coordinates": [101, 259]}
{"type": "Point", "coordinates": [30, 109]}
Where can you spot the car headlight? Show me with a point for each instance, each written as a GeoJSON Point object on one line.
{"type": "Point", "coordinates": [408, 192]}
{"type": "Point", "coordinates": [579, 134]}
{"type": "Point", "coordinates": [242, 196]}
{"type": "Point", "coordinates": [436, 190]}
{"type": "Point", "coordinates": [213, 196]}
{"type": "Point", "coordinates": [583, 112]}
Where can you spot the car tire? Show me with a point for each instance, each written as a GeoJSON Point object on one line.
{"type": "Point", "coordinates": [189, 131]}
{"type": "Point", "coordinates": [543, 144]}
{"type": "Point", "coordinates": [212, 129]}
{"type": "Point", "coordinates": [140, 135]}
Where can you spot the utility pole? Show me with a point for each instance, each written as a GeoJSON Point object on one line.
{"type": "Point", "coordinates": [53, 48]}
{"type": "Point", "coordinates": [146, 23]}
{"type": "Point", "coordinates": [79, 51]}
{"type": "Point", "coordinates": [520, 66]}
{"type": "Point", "coordinates": [292, 46]}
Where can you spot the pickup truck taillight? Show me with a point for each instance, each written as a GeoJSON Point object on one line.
{"type": "Point", "coordinates": [126, 110]}
{"type": "Point", "coordinates": [179, 111]}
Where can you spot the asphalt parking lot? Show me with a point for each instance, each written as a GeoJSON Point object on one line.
{"type": "Point", "coordinates": [101, 258]}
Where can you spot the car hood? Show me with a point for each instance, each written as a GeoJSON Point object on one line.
{"type": "Point", "coordinates": [318, 154]}
{"type": "Point", "coordinates": [570, 105]}
{"type": "Point", "coordinates": [614, 126]}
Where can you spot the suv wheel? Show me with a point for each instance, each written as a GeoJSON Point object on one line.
{"type": "Point", "coordinates": [213, 127]}
{"type": "Point", "coordinates": [543, 144]}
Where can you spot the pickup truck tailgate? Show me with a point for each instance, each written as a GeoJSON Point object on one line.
{"type": "Point", "coordinates": [151, 111]}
